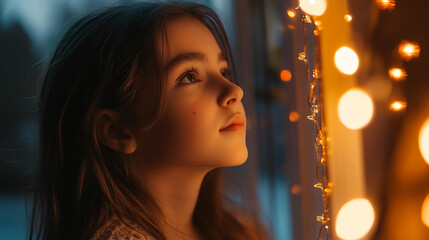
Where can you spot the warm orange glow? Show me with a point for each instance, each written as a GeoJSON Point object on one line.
{"type": "Point", "coordinates": [293, 116]}
{"type": "Point", "coordinates": [318, 23]}
{"type": "Point", "coordinates": [425, 211]}
{"type": "Point", "coordinates": [285, 75]}
{"type": "Point", "coordinates": [385, 4]}
{"type": "Point", "coordinates": [346, 60]}
{"type": "Point", "coordinates": [355, 219]}
{"type": "Point", "coordinates": [424, 140]}
{"type": "Point", "coordinates": [295, 189]}
{"type": "Point", "coordinates": [348, 18]}
{"type": "Point", "coordinates": [291, 13]}
{"type": "Point", "coordinates": [355, 109]}
{"type": "Point", "coordinates": [408, 50]}
{"type": "Point", "coordinates": [398, 106]}
{"type": "Point", "coordinates": [397, 74]}
{"type": "Point", "coordinates": [313, 7]}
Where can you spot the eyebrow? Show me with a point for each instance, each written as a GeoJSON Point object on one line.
{"type": "Point", "coordinates": [189, 57]}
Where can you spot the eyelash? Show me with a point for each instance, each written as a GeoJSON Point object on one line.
{"type": "Point", "coordinates": [194, 71]}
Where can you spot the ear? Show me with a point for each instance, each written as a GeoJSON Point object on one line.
{"type": "Point", "coordinates": [113, 133]}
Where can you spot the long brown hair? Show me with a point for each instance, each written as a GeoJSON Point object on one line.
{"type": "Point", "coordinates": [110, 59]}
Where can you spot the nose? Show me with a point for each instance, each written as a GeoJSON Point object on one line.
{"type": "Point", "coordinates": [231, 94]}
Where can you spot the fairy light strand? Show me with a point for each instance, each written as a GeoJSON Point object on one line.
{"type": "Point", "coordinates": [315, 105]}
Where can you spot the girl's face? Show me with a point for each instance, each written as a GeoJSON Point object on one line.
{"type": "Point", "coordinates": [201, 100]}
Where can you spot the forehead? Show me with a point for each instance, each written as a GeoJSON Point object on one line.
{"type": "Point", "coordinates": [187, 34]}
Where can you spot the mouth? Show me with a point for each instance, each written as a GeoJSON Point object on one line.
{"type": "Point", "coordinates": [234, 128]}
{"type": "Point", "coordinates": [235, 124]}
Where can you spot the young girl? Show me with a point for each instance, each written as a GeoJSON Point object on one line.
{"type": "Point", "coordinates": [139, 110]}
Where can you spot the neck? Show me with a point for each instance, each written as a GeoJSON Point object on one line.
{"type": "Point", "coordinates": [176, 190]}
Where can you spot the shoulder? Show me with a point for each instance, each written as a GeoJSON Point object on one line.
{"type": "Point", "coordinates": [116, 229]}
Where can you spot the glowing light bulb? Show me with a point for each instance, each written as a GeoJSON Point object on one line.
{"type": "Point", "coordinates": [291, 13]}
{"type": "Point", "coordinates": [348, 18]}
{"type": "Point", "coordinates": [408, 50]}
{"type": "Point", "coordinates": [285, 75]}
{"type": "Point", "coordinates": [425, 211]}
{"type": "Point", "coordinates": [385, 4]}
{"type": "Point", "coordinates": [302, 56]}
{"type": "Point", "coordinates": [424, 140]}
{"type": "Point", "coordinates": [398, 106]}
{"type": "Point", "coordinates": [318, 23]}
{"type": "Point", "coordinates": [397, 74]}
{"type": "Point", "coordinates": [355, 219]}
{"type": "Point", "coordinates": [293, 116]}
{"type": "Point", "coordinates": [355, 109]}
{"type": "Point", "coordinates": [346, 60]}
{"type": "Point", "coordinates": [313, 7]}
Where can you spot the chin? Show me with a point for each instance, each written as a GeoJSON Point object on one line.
{"type": "Point", "coordinates": [238, 159]}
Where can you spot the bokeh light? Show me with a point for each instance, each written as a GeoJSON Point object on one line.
{"type": "Point", "coordinates": [313, 7]}
{"type": "Point", "coordinates": [285, 75]}
{"type": "Point", "coordinates": [408, 50]}
{"type": "Point", "coordinates": [295, 189]}
{"type": "Point", "coordinates": [346, 60]}
{"type": "Point", "coordinates": [397, 106]}
{"type": "Point", "coordinates": [385, 4]}
{"type": "Point", "coordinates": [348, 18]}
{"type": "Point", "coordinates": [291, 13]}
{"type": "Point", "coordinates": [355, 109]}
{"type": "Point", "coordinates": [293, 116]}
{"type": "Point", "coordinates": [318, 23]}
{"type": "Point", "coordinates": [425, 211]}
{"type": "Point", "coordinates": [397, 74]}
{"type": "Point", "coordinates": [355, 219]}
{"type": "Point", "coordinates": [424, 140]}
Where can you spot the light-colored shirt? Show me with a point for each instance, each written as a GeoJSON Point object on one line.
{"type": "Point", "coordinates": [115, 229]}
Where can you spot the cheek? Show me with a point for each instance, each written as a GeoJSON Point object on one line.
{"type": "Point", "coordinates": [189, 135]}
{"type": "Point", "coordinates": [192, 133]}
{"type": "Point", "coordinates": [195, 140]}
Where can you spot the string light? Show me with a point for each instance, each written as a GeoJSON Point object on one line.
{"type": "Point", "coordinates": [397, 74]}
{"type": "Point", "coordinates": [408, 50]}
{"type": "Point", "coordinates": [385, 4]}
{"type": "Point", "coordinates": [302, 56]}
{"type": "Point", "coordinates": [291, 13]}
{"type": "Point", "coordinates": [315, 105]}
{"type": "Point", "coordinates": [318, 23]}
{"type": "Point", "coordinates": [316, 32]}
{"type": "Point", "coordinates": [397, 106]}
{"type": "Point", "coordinates": [348, 18]}
{"type": "Point", "coordinates": [307, 19]}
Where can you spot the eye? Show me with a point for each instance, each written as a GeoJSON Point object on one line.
{"type": "Point", "coordinates": [226, 73]}
{"type": "Point", "coordinates": [189, 76]}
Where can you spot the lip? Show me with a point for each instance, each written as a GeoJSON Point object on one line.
{"type": "Point", "coordinates": [236, 123]}
{"type": "Point", "coordinates": [234, 128]}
